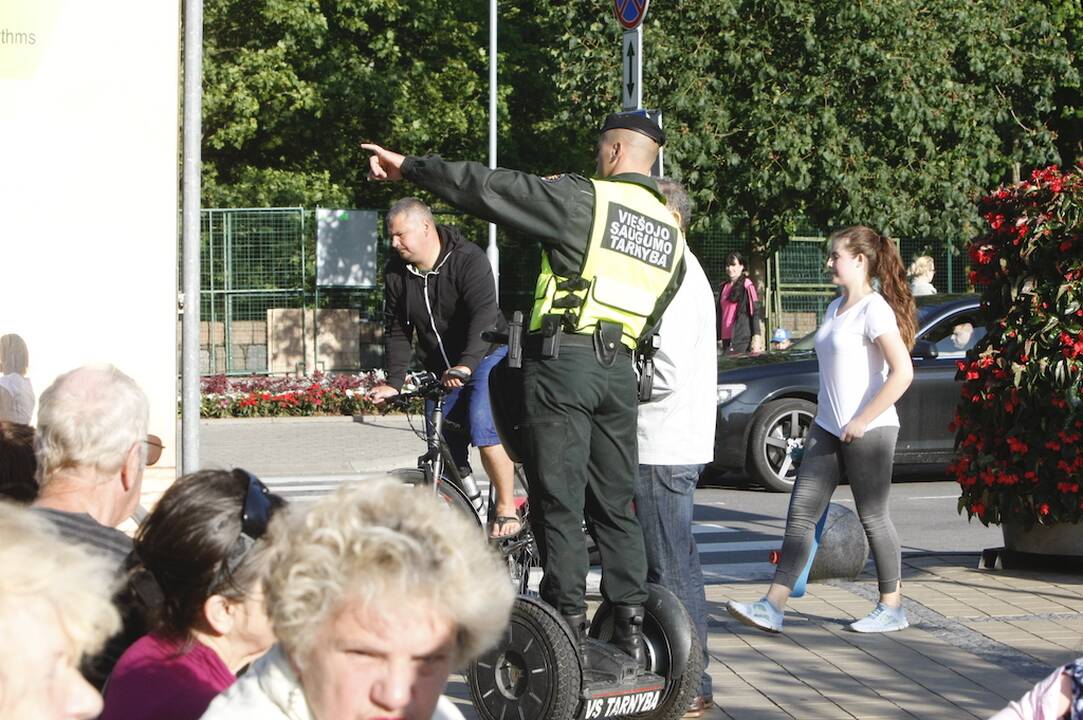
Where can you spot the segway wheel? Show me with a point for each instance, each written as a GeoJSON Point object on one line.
{"type": "Point", "coordinates": [533, 673]}
{"type": "Point", "coordinates": [672, 647]}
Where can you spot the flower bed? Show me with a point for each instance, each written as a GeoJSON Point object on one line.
{"type": "Point", "coordinates": [262, 396]}
{"type": "Point", "coordinates": [1020, 419]}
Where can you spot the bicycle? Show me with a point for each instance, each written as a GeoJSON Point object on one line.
{"type": "Point", "coordinates": [437, 469]}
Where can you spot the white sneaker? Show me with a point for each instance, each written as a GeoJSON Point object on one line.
{"type": "Point", "coordinates": [760, 614]}
{"type": "Point", "coordinates": [882, 619]}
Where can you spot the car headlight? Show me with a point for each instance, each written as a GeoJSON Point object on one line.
{"type": "Point", "coordinates": [728, 392]}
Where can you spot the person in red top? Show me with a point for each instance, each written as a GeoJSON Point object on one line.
{"type": "Point", "coordinates": [740, 327]}
{"type": "Point", "coordinates": [200, 563]}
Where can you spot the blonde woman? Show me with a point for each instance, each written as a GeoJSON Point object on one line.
{"type": "Point", "coordinates": [376, 594]}
{"type": "Point", "coordinates": [921, 276]}
{"type": "Point", "coordinates": [55, 608]}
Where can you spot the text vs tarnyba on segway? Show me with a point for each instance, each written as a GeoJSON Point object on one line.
{"type": "Point", "coordinates": [536, 672]}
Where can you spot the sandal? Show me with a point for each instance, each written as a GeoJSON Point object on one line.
{"type": "Point", "coordinates": [502, 521]}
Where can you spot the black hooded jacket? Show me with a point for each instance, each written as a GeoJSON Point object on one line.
{"type": "Point", "coordinates": [461, 304]}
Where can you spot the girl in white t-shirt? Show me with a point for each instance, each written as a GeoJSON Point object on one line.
{"type": "Point", "coordinates": [865, 367]}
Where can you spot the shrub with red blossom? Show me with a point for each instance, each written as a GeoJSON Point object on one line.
{"type": "Point", "coordinates": [266, 396]}
{"type": "Point", "coordinates": [1019, 421]}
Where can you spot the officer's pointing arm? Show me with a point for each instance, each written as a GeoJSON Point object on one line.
{"type": "Point", "coordinates": [542, 208]}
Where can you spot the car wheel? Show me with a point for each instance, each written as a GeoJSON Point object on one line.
{"type": "Point", "coordinates": [777, 441]}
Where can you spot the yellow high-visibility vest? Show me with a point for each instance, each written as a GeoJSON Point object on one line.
{"type": "Point", "coordinates": [635, 250]}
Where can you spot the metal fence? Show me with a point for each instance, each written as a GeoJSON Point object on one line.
{"type": "Point", "coordinates": [261, 311]}
{"type": "Point", "coordinates": [251, 261]}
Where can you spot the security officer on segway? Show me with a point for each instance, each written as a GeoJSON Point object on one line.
{"type": "Point", "coordinates": [613, 257]}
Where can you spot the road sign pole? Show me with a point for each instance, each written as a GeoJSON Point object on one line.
{"type": "Point", "coordinates": [632, 63]}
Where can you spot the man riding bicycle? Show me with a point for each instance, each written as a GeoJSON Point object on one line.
{"type": "Point", "coordinates": [441, 289]}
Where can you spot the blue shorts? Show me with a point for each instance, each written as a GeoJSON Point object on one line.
{"type": "Point", "coordinates": [469, 408]}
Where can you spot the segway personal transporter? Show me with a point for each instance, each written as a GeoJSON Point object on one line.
{"type": "Point", "coordinates": [536, 672]}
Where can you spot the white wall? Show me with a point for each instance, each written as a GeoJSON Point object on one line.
{"type": "Point", "coordinates": [89, 190]}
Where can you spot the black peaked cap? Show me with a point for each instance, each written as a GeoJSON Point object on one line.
{"type": "Point", "coordinates": [634, 121]}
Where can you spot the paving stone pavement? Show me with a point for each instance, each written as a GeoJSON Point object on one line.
{"type": "Point", "coordinates": [978, 638]}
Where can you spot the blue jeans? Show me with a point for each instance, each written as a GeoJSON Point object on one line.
{"type": "Point", "coordinates": [469, 408]}
{"type": "Point", "coordinates": [664, 502]}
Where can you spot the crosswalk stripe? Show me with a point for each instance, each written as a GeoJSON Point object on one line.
{"type": "Point", "coordinates": [746, 550]}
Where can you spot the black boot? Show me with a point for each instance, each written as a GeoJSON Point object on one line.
{"type": "Point", "coordinates": [628, 631]}
{"type": "Point", "coordinates": [578, 623]}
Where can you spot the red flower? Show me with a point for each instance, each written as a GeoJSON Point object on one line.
{"type": "Point", "coordinates": [1017, 446]}
{"type": "Point", "coordinates": [983, 254]}
{"type": "Point", "coordinates": [1043, 509]}
{"type": "Point", "coordinates": [978, 509]}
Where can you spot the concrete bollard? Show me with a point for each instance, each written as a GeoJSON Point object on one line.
{"type": "Point", "coordinates": [844, 549]}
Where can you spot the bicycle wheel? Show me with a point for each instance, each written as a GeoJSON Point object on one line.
{"type": "Point", "coordinates": [452, 496]}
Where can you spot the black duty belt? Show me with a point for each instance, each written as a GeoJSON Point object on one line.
{"type": "Point", "coordinates": [532, 343]}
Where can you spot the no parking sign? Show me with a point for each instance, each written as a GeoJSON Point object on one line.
{"type": "Point", "coordinates": [630, 13]}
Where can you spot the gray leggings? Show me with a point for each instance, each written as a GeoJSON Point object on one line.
{"type": "Point", "coordinates": [867, 462]}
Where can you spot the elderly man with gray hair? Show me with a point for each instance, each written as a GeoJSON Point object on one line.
{"type": "Point", "coordinates": [92, 430]}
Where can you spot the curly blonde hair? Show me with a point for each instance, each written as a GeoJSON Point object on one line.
{"type": "Point", "coordinates": [922, 264]}
{"type": "Point", "coordinates": [41, 567]}
{"type": "Point", "coordinates": [380, 543]}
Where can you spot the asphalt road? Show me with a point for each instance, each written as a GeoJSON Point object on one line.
{"type": "Point", "coordinates": [923, 507]}
{"type": "Point", "coordinates": [736, 525]}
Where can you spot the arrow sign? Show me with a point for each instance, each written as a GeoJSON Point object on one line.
{"type": "Point", "coordinates": [632, 75]}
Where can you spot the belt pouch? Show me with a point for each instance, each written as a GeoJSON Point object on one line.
{"type": "Point", "coordinates": [607, 336]}
{"type": "Point", "coordinates": [551, 331]}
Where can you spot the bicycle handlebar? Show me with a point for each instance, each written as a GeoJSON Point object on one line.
{"type": "Point", "coordinates": [428, 385]}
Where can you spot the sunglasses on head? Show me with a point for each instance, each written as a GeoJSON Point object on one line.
{"type": "Point", "coordinates": [154, 449]}
{"type": "Point", "coordinates": [255, 516]}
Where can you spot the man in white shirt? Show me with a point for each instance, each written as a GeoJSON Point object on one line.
{"type": "Point", "coordinates": [676, 438]}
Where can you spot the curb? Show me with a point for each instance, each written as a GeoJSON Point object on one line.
{"type": "Point", "coordinates": [311, 419]}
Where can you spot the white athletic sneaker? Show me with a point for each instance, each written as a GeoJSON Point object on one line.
{"type": "Point", "coordinates": [760, 614]}
{"type": "Point", "coordinates": [882, 619]}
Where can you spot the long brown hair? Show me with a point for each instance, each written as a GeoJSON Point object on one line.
{"type": "Point", "coordinates": [886, 265]}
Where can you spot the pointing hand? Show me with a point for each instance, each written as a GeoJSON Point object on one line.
{"type": "Point", "coordinates": [384, 165]}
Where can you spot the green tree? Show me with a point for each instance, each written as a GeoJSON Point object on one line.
{"type": "Point", "coordinates": [293, 86]}
{"type": "Point", "coordinates": [1067, 118]}
{"type": "Point", "coordinates": [892, 114]}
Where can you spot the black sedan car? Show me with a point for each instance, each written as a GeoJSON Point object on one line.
{"type": "Point", "coordinates": [766, 402]}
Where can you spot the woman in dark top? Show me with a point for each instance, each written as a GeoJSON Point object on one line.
{"type": "Point", "coordinates": [740, 328]}
{"type": "Point", "coordinates": [201, 560]}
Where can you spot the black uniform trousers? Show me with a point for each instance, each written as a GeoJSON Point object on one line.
{"type": "Point", "coordinates": [579, 432]}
